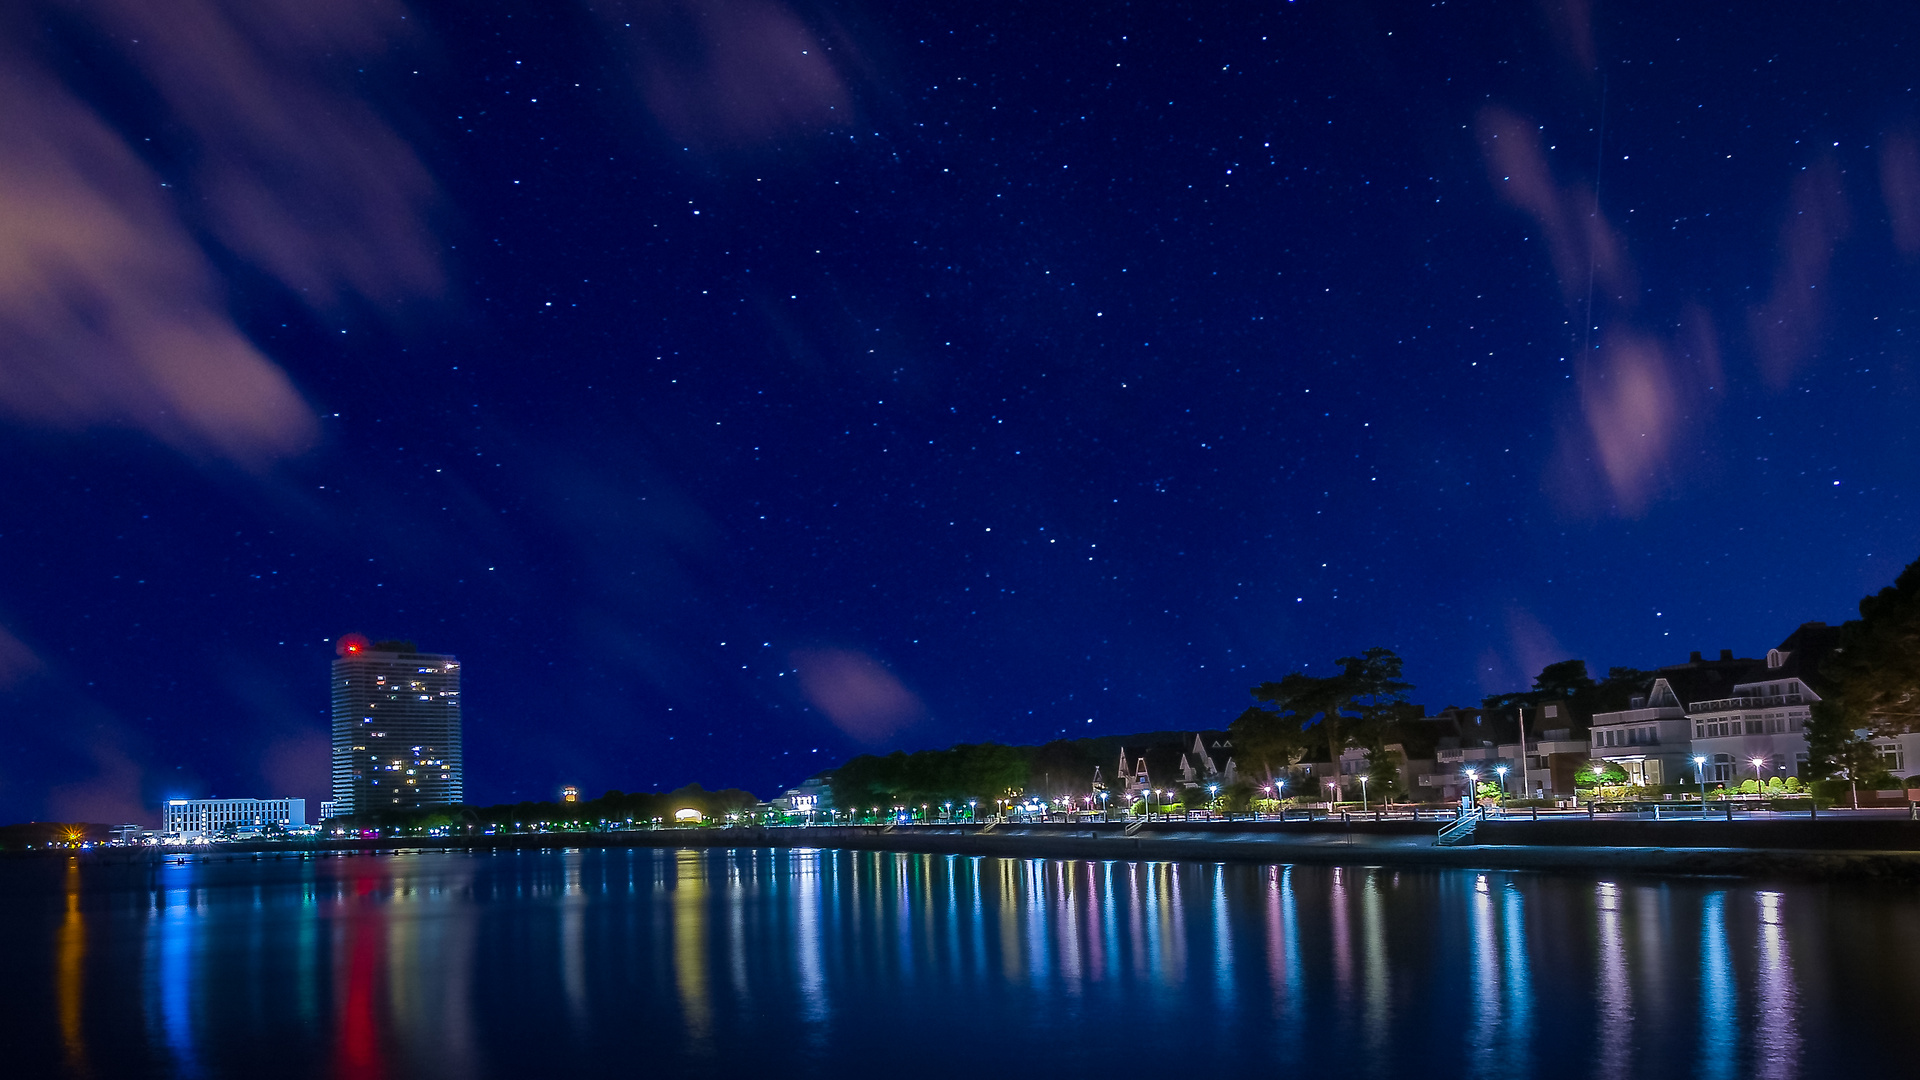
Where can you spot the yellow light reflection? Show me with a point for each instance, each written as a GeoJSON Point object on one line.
{"type": "Point", "coordinates": [690, 947]}
{"type": "Point", "coordinates": [69, 973]}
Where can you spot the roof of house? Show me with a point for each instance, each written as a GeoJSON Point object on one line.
{"type": "Point", "coordinates": [1708, 680]}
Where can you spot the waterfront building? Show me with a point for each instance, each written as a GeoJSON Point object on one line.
{"type": "Point", "coordinates": [1209, 762]}
{"type": "Point", "coordinates": [1134, 783]}
{"type": "Point", "coordinates": [396, 728]}
{"type": "Point", "coordinates": [1759, 728]}
{"type": "Point", "coordinates": [213, 817]}
{"type": "Point", "coordinates": [811, 796]}
{"type": "Point", "coordinates": [328, 808]}
{"type": "Point", "coordinates": [1731, 712]}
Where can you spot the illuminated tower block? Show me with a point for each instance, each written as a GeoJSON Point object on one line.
{"type": "Point", "coordinates": [396, 728]}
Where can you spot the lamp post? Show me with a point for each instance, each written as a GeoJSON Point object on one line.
{"type": "Point", "coordinates": [1473, 788]}
{"type": "Point", "coordinates": [1700, 774]}
{"type": "Point", "coordinates": [1363, 793]}
{"type": "Point", "coordinates": [1502, 770]}
{"type": "Point", "coordinates": [1757, 763]}
{"type": "Point", "coordinates": [1213, 793]}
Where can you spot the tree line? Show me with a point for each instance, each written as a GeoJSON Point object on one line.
{"type": "Point", "coordinates": [613, 806]}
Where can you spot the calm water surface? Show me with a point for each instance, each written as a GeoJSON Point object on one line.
{"type": "Point", "coordinates": [594, 963]}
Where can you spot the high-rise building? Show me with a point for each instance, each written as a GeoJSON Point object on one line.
{"type": "Point", "coordinates": [396, 727]}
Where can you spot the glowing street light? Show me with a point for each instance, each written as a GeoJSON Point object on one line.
{"type": "Point", "coordinates": [1757, 763]}
{"type": "Point", "coordinates": [1363, 793]}
{"type": "Point", "coordinates": [1502, 770]}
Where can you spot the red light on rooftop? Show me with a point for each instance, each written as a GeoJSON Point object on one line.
{"type": "Point", "coordinates": [351, 645]}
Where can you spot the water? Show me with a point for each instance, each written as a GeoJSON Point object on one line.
{"type": "Point", "coordinates": [847, 964]}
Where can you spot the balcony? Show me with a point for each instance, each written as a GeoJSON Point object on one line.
{"type": "Point", "coordinates": [1638, 716]}
{"type": "Point", "coordinates": [1736, 704]}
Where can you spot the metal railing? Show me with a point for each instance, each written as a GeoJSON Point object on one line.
{"type": "Point", "coordinates": [1734, 704]}
{"type": "Point", "coordinates": [1460, 830]}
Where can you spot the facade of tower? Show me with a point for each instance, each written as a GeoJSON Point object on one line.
{"type": "Point", "coordinates": [396, 728]}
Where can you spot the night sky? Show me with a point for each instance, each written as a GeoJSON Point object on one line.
{"type": "Point", "coordinates": [736, 386]}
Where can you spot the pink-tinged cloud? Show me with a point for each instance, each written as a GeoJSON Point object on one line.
{"type": "Point", "coordinates": [295, 172]}
{"type": "Point", "coordinates": [727, 73]}
{"type": "Point", "coordinates": [110, 797]}
{"type": "Point", "coordinates": [1631, 412]}
{"type": "Point", "coordinates": [17, 661]}
{"type": "Point", "coordinates": [298, 766]}
{"type": "Point", "coordinates": [1529, 648]}
{"type": "Point", "coordinates": [858, 695]}
{"type": "Point", "coordinates": [1572, 25]}
{"type": "Point", "coordinates": [1531, 644]}
{"type": "Point", "coordinates": [1900, 186]}
{"type": "Point", "coordinates": [1786, 329]}
{"type": "Point", "coordinates": [1699, 343]}
{"type": "Point", "coordinates": [109, 313]}
{"type": "Point", "coordinates": [1583, 245]}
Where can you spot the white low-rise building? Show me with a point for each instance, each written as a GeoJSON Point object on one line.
{"type": "Point", "coordinates": [213, 817]}
{"type": "Point", "coordinates": [1722, 721]}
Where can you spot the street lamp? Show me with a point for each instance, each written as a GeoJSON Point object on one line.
{"type": "Point", "coordinates": [1502, 770]}
{"type": "Point", "coordinates": [1757, 763]}
{"type": "Point", "coordinates": [1473, 787]}
{"type": "Point", "coordinates": [1700, 774]}
{"type": "Point", "coordinates": [1363, 793]}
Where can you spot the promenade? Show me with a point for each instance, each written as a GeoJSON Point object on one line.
{"type": "Point", "coordinates": [1838, 845]}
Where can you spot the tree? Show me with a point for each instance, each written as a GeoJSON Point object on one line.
{"type": "Point", "coordinates": [1565, 680]}
{"type": "Point", "coordinates": [1370, 687]}
{"type": "Point", "coordinates": [1273, 733]}
{"type": "Point", "coordinates": [1874, 677]}
{"type": "Point", "coordinates": [1357, 706]}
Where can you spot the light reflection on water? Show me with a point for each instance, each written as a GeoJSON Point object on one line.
{"type": "Point", "coordinates": [820, 961]}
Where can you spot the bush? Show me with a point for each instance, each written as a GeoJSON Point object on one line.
{"type": "Point", "coordinates": [1236, 798]}
{"type": "Point", "coordinates": [1599, 773]}
{"type": "Point", "coordinates": [1833, 791]}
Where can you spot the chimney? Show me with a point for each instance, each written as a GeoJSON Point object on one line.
{"type": "Point", "coordinates": [1693, 658]}
{"type": "Point", "coordinates": [1726, 654]}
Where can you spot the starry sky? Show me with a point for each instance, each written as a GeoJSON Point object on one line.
{"type": "Point", "coordinates": [739, 385]}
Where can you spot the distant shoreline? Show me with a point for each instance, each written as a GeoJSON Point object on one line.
{"type": "Point", "coordinates": [1879, 849]}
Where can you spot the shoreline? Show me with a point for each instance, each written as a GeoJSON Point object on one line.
{"type": "Point", "coordinates": [1886, 851]}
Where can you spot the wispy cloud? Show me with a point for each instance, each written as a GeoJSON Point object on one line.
{"type": "Point", "coordinates": [1629, 402]}
{"type": "Point", "coordinates": [1786, 329]}
{"type": "Point", "coordinates": [111, 796]}
{"type": "Point", "coordinates": [296, 172]}
{"type": "Point", "coordinates": [726, 73]}
{"type": "Point", "coordinates": [17, 661]}
{"type": "Point", "coordinates": [1585, 248]}
{"type": "Point", "coordinates": [857, 694]}
{"type": "Point", "coordinates": [109, 312]}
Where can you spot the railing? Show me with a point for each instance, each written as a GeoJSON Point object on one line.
{"type": "Point", "coordinates": [1735, 704]}
{"type": "Point", "coordinates": [1460, 831]}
